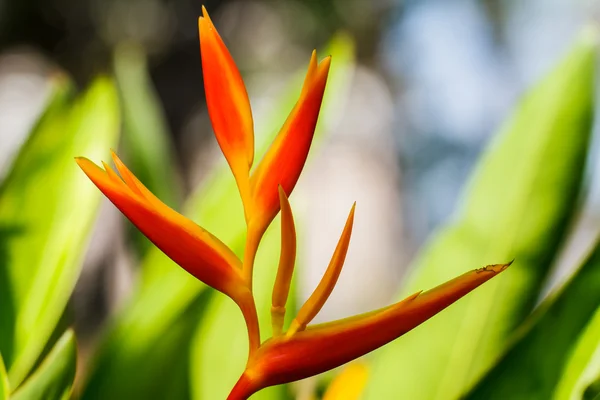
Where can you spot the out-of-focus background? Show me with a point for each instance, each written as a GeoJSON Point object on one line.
{"type": "Point", "coordinates": [425, 85]}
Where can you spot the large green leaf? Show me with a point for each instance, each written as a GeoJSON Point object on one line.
{"type": "Point", "coordinates": [47, 208]}
{"type": "Point", "coordinates": [53, 379]}
{"type": "Point", "coordinates": [533, 365]}
{"type": "Point", "coordinates": [518, 205]}
{"type": "Point", "coordinates": [221, 344]}
{"type": "Point", "coordinates": [166, 292]}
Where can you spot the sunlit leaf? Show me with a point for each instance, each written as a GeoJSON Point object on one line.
{"type": "Point", "coordinates": [221, 345]}
{"type": "Point", "coordinates": [53, 379]}
{"type": "Point", "coordinates": [4, 385]}
{"type": "Point", "coordinates": [518, 205]}
{"type": "Point", "coordinates": [46, 212]}
{"type": "Point", "coordinates": [533, 366]}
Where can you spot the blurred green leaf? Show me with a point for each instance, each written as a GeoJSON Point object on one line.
{"type": "Point", "coordinates": [583, 365]}
{"type": "Point", "coordinates": [518, 206]}
{"type": "Point", "coordinates": [53, 379]}
{"type": "Point", "coordinates": [47, 209]}
{"type": "Point", "coordinates": [4, 385]}
{"type": "Point", "coordinates": [148, 317]}
{"type": "Point", "coordinates": [593, 391]}
{"type": "Point", "coordinates": [534, 363]}
{"type": "Point", "coordinates": [145, 147]}
{"type": "Point", "coordinates": [53, 118]}
{"type": "Point", "coordinates": [221, 345]}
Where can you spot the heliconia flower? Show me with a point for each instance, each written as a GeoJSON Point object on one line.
{"type": "Point", "coordinates": [326, 346]}
{"type": "Point", "coordinates": [303, 350]}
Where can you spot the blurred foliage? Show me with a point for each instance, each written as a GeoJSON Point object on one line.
{"type": "Point", "coordinates": [534, 364]}
{"type": "Point", "coordinates": [145, 146]}
{"type": "Point", "coordinates": [583, 364]}
{"type": "Point", "coordinates": [518, 206]}
{"type": "Point", "coordinates": [53, 379]}
{"type": "Point", "coordinates": [46, 213]}
{"type": "Point", "coordinates": [147, 319]}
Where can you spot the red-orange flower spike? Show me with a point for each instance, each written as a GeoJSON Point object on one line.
{"type": "Point", "coordinates": [323, 347]}
{"type": "Point", "coordinates": [285, 159]}
{"type": "Point", "coordinates": [228, 104]}
{"type": "Point", "coordinates": [190, 246]}
{"type": "Point", "coordinates": [194, 249]}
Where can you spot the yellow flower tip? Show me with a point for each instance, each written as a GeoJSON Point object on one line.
{"type": "Point", "coordinates": [206, 20]}
{"type": "Point", "coordinates": [413, 296]}
{"type": "Point", "coordinates": [495, 268]}
{"type": "Point", "coordinates": [111, 174]}
{"type": "Point", "coordinates": [282, 195]}
{"type": "Point", "coordinates": [205, 13]}
{"type": "Point", "coordinates": [87, 165]}
{"type": "Point", "coordinates": [130, 180]}
{"type": "Point", "coordinates": [323, 70]}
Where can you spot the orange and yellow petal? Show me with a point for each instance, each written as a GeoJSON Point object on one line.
{"type": "Point", "coordinates": [194, 249]}
{"type": "Point", "coordinates": [227, 102]}
{"type": "Point", "coordinates": [287, 155]}
{"type": "Point", "coordinates": [285, 270]}
{"type": "Point", "coordinates": [323, 347]}
{"type": "Point", "coordinates": [317, 299]}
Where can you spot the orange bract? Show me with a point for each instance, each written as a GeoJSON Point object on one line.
{"type": "Point", "coordinates": [228, 104]}
{"type": "Point", "coordinates": [301, 351]}
{"type": "Point", "coordinates": [283, 162]}
{"type": "Point", "coordinates": [190, 246]}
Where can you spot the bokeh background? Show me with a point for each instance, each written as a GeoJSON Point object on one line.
{"type": "Point", "coordinates": [426, 87]}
